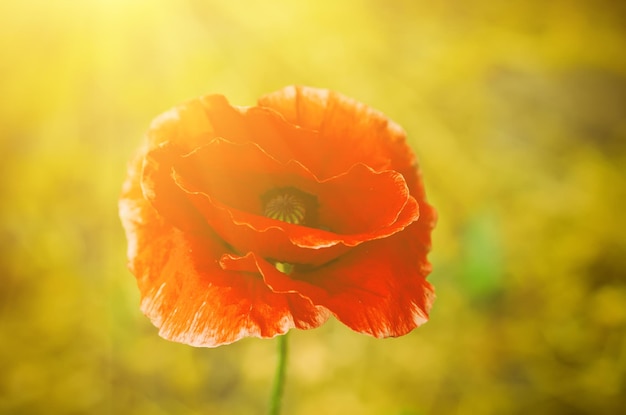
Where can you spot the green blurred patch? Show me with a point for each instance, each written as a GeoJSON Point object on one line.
{"type": "Point", "coordinates": [481, 261]}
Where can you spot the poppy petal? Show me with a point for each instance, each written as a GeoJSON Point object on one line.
{"type": "Point", "coordinates": [378, 288]}
{"type": "Point", "coordinates": [357, 200]}
{"type": "Point", "coordinates": [381, 290]}
{"type": "Point", "coordinates": [348, 130]}
{"type": "Point", "coordinates": [359, 210]}
{"type": "Point", "coordinates": [188, 295]}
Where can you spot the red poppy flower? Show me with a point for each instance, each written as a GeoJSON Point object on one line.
{"type": "Point", "coordinates": [250, 221]}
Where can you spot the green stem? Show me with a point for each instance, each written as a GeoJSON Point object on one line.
{"type": "Point", "coordinates": [279, 379]}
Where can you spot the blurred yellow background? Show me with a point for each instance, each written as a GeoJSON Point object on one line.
{"type": "Point", "coordinates": [516, 109]}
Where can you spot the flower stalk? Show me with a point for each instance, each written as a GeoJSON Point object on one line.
{"type": "Point", "coordinates": [279, 377]}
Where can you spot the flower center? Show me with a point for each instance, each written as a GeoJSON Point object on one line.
{"type": "Point", "coordinates": [290, 205]}
{"type": "Point", "coordinates": [285, 207]}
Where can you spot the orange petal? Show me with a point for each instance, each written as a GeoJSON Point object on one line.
{"type": "Point", "coordinates": [378, 288]}
{"type": "Point", "coordinates": [186, 293]}
{"type": "Point", "coordinates": [349, 132]}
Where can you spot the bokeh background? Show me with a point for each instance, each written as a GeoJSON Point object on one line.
{"type": "Point", "coordinates": [517, 110]}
